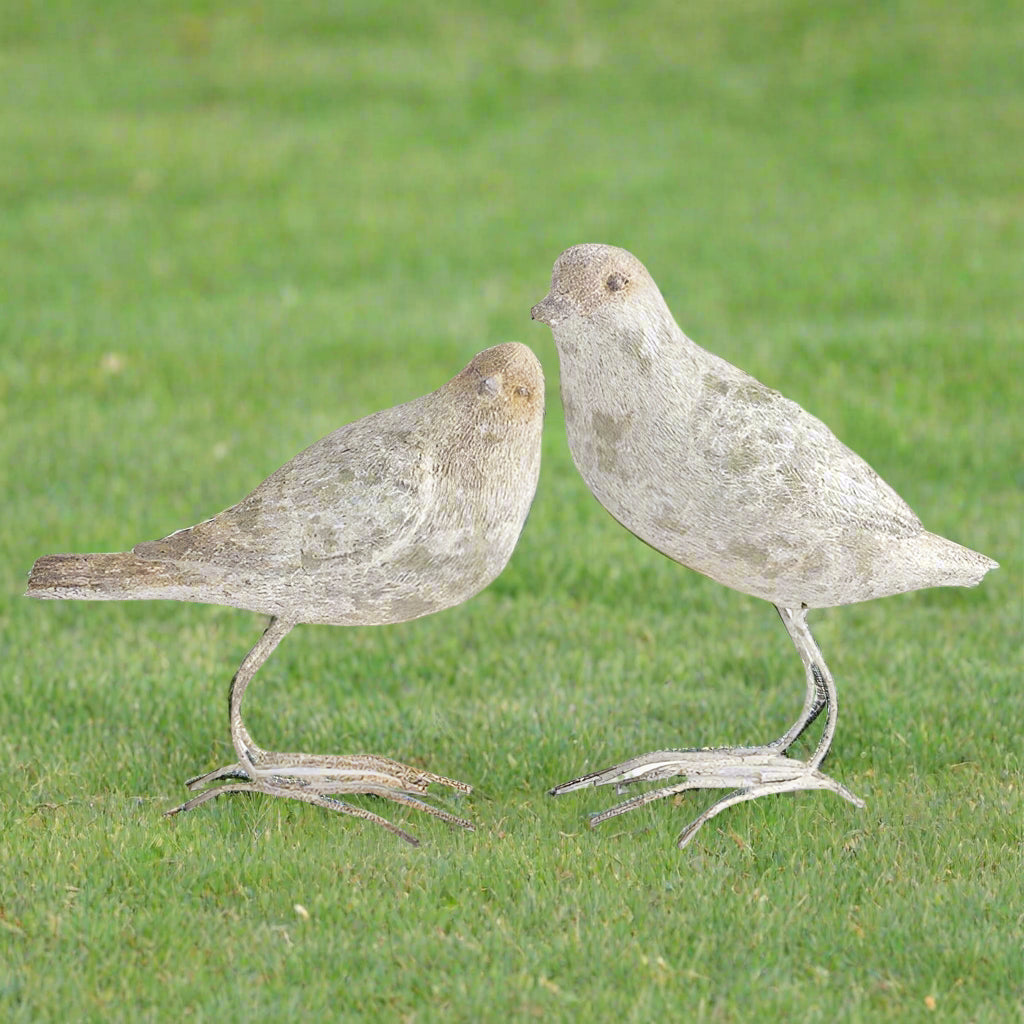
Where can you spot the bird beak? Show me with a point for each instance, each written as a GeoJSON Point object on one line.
{"type": "Point", "coordinates": [551, 310]}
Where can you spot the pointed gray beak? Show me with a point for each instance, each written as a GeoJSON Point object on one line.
{"type": "Point", "coordinates": [551, 310]}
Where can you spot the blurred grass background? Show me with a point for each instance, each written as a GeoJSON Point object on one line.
{"type": "Point", "coordinates": [227, 229]}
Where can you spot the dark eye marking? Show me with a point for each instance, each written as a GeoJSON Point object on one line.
{"type": "Point", "coordinates": [616, 282]}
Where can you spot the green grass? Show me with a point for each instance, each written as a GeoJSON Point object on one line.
{"type": "Point", "coordinates": [227, 230]}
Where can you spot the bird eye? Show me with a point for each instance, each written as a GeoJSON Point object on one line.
{"type": "Point", "coordinates": [523, 392]}
{"type": "Point", "coordinates": [616, 282]}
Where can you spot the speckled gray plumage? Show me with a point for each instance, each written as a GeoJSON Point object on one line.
{"type": "Point", "coordinates": [728, 477]}
{"type": "Point", "coordinates": [405, 512]}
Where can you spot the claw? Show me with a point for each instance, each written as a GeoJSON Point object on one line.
{"type": "Point", "coordinates": [751, 772]}
{"type": "Point", "coordinates": [318, 780]}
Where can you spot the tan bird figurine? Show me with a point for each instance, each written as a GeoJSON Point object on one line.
{"type": "Point", "coordinates": [405, 512]}
{"type": "Point", "coordinates": [726, 476]}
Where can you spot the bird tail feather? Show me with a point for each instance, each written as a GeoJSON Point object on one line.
{"type": "Point", "coordinates": [962, 567]}
{"type": "Point", "coordinates": [111, 576]}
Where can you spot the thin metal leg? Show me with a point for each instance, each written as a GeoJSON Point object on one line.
{"type": "Point", "coordinates": [816, 699]}
{"type": "Point", "coordinates": [313, 778]}
{"type": "Point", "coordinates": [752, 771]}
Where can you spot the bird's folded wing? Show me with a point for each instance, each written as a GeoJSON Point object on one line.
{"type": "Point", "coordinates": [340, 499]}
{"type": "Point", "coordinates": [783, 462]}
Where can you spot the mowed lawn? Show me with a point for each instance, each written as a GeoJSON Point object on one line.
{"type": "Point", "coordinates": [226, 230]}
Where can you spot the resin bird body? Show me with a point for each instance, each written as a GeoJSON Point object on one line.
{"type": "Point", "coordinates": [726, 476]}
{"type": "Point", "coordinates": [402, 513]}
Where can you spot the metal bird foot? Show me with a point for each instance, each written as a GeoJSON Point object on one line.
{"type": "Point", "coordinates": [318, 779]}
{"type": "Point", "coordinates": [751, 771]}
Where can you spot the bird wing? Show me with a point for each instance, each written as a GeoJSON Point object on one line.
{"type": "Point", "coordinates": [363, 485]}
{"type": "Point", "coordinates": [775, 459]}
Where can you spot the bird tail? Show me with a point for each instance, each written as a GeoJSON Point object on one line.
{"type": "Point", "coordinates": [114, 576]}
{"type": "Point", "coordinates": [960, 566]}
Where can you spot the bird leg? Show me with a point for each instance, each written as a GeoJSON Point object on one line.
{"type": "Point", "coordinates": [751, 772]}
{"type": "Point", "coordinates": [820, 694]}
{"type": "Point", "coordinates": [313, 778]}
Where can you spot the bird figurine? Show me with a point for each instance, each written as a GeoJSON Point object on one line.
{"type": "Point", "coordinates": [406, 512]}
{"type": "Point", "coordinates": [726, 476]}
